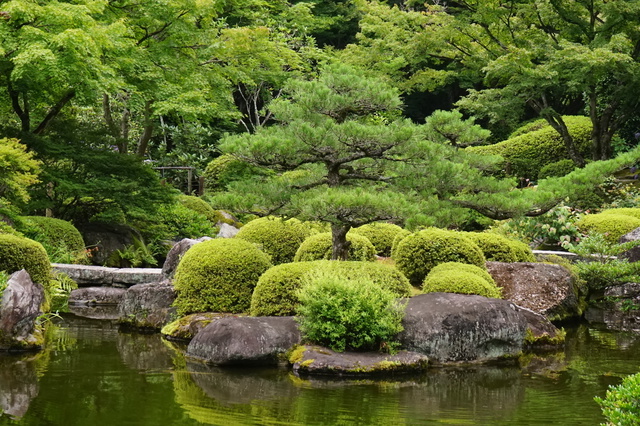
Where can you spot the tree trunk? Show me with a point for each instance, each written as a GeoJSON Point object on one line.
{"type": "Point", "coordinates": [340, 245]}
{"type": "Point", "coordinates": [54, 111]}
{"type": "Point", "coordinates": [555, 120]}
{"type": "Point", "coordinates": [145, 137]}
{"type": "Point", "coordinates": [21, 111]}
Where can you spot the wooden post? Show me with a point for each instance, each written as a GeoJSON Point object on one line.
{"type": "Point", "coordinates": [201, 185]}
{"type": "Point", "coordinates": [189, 179]}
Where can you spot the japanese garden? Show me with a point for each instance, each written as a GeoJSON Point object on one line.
{"type": "Point", "coordinates": [319, 212]}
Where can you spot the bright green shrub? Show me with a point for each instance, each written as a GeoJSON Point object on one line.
{"type": "Point", "coordinates": [218, 276]}
{"type": "Point", "coordinates": [348, 314]}
{"type": "Point", "coordinates": [612, 226]}
{"type": "Point", "coordinates": [319, 246]}
{"type": "Point", "coordinates": [278, 238]}
{"type": "Point", "coordinates": [175, 222]}
{"type": "Point", "coordinates": [62, 241]}
{"type": "Point", "coordinates": [226, 169]}
{"type": "Point", "coordinates": [460, 282]}
{"type": "Point", "coordinates": [523, 251]}
{"type": "Point", "coordinates": [496, 247]}
{"type": "Point", "coordinates": [399, 237]}
{"type": "Point", "coordinates": [276, 291]}
{"type": "Point", "coordinates": [621, 405]}
{"type": "Point", "coordinates": [525, 155]}
{"type": "Point", "coordinates": [463, 267]}
{"type": "Point", "coordinates": [18, 253]}
{"type": "Point", "coordinates": [557, 169]}
{"type": "Point", "coordinates": [200, 206]}
{"type": "Point", "coordinates": [418, 253]}
{"type": "Point", "coordinates": [381, 236]}
{"type": "Point", "coordinates": [633, 212]}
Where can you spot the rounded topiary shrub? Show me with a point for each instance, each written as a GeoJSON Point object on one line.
{"type": "Point", "coordinates": [557, 169]}
{"type": "Point", "coordinates": [495, 247]}
{"type": "Point", "coordinates": [633, 212]}
{"type": "Point", "coordinates": [198, 205]}
{"type": "Point", "coordinates": [612, 226]}
{"type": "Point", "coordinates": [276, 292]}
{"type": "Point", "coordinates": [340, 313]}
{"type": "Point", "coordinates": [227, 168]}
{"type": "Point", "coordinates": [526, 154]}
{"type": "Point", "coordinates": [319, 246]}
{"type": "Point", "coordinates": [523, 251]}
{"type": "Point", "coordinates": [381, 236]}
{"type": "Point", "coordinates": [60, 238]}
{"type": "Point", "coordinates": [218, 276]}
{"type": "Point", "coordinates": [18, 253]}
{"type": "Point", "coordinates": [460, 282]}
{"type": "Point", "coordinates": [278, 238]}
{"type": "Point", "coordinates": [463, 267]}
{"type": "Point", "coordinates": [399, 237]}
{"type": "Point", "coordinates": [418, 253]}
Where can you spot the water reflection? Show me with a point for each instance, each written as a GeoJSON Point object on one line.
{"type": "Point", "coordinates": [18, 384]}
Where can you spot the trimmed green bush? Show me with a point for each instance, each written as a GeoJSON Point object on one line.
{"type": "Point", "coordinates": [418, 253]}
{"type": "Point", "coordinates": [463, 267]}
{"type": "Point", "coordinates": [460, 282]}
{"type": "Point", "coordinates": [633, 212]}
{"type": "Point", "coordinates": [525, 155]}
{"type": "Point", "coordinates": [62, 241]}
{"type": "Point", "coordinates": [175, 222]}
{"type": "Point", "coordinates": [198, 205]}
{"type": "Point", "coordinates": [381, 236]}
{"type": "Point", "coordinates": [348, 314]}
{"type": "Point", "coordinates": [278, 238]}
{"type": "Point", "coordinates": [318, 247]}
{"type": "Point", "coordinates": [218, 276]}
{"type": "Point", "coordinates": [276, 291]}
{"type": "Point", "coordinates": [612, 226]}
{"type": "Point", "coordinates": [399, 237]}
{"type": "Point", "coordinates": [226, 169]}
{"type": "Point", "coordinates": [18, 253]}
{"type": "Point", "coordinates": [621, 405]}
{"type": "Point", "coordinates": [557, 169]}
{"type": "Point", "coordinates": [497, 248]}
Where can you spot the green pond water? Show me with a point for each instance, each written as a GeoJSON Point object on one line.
{"type": "Point", "coordinates": [93, 374]}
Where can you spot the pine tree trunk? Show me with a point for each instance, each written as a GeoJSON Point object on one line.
{"type": "Point", "coordinates": [340, 245]}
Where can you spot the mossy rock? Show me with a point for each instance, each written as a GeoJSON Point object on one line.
{"type": "Point", "coordinates": [18, 253]}
{"type": "Point", "coordinates": [526, 154]}
{"type": "Point", "coordinates": [633, 212]}
{"type": "Point", "coordinates": [55, 234]}
{"type": "Point", "coordinates": [198, 205]}
{"type": "Point", "coordinates": [418, 253]}
{"type": "Point", "coordinates": [381, 236]}
{"type": "Point", "coordinates": [461, 282]}
{"type": "Point", "coordinates": [218, 275]}
{"type": "Point", "coordinates": [277, 237]}
{"type": "Point", "coordinates": [276, 292]}
{"type": "Point", "coordinates": [612, 226]}
{"type": "Point", "coordinates": [463, 267]}
{"type": "Point", "coordinates": [185, 328]}
{"type": "Point", "coordinates": [319, 247]}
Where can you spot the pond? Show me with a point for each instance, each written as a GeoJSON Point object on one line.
{"type": "Point", "coordinates": [93, 374]}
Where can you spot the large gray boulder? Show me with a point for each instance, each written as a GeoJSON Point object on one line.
{"type": "Point", "coordinates": [175, 254]}
{"type": "Point", "coordinates": [450, 328]}
{"type": "Point", "coordinates": [19, 309]}
{"type": "Point", "coordinates": [92, 296]}
{"type": "Point", "coordinates": [245, 340]}
{"type": "Point", "coordinates": [107, 239]}
{"type": "Point", "coordinates": [226, 230]}
{"type": "Point", "coordinates": [148, 306]}
{"type": "Point", "coordinates": [550, 290]}
{"type": "Point", "coordinates": [632, 255]}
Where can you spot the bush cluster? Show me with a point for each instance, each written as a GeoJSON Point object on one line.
{"type": "Point", "coordinates": [276, 291]}
{"type": "Point", "coordinates": [381, 236]}
{"type": "Point", "coordinates": [399, 237]}
{"type": "Point", "coordinates": [629, 211]}
{"type": "Point", "coordinates": [18, 253]}
{"type": "Point", "coordinates": [455, 277]}
{"type": "Point", "coordinates": [226, 169]}
{"type": "Point", "coordinates": [340, 313]}
{"type": "Point", "coordinates": [279, 238]}
{"type": "Point", "coordinates": [418, 253]}
{"type": "Point", "coordinates": [198, 205]}
{"type": "Point", "coordinates": [557, 169]}
{"type": "Point", "coordinates": [62, 241]}
{"type": "Point", "coordinates": [218, 275]}
{"type": "Point", "coordinates": [620, 406]}
{"type": "Point", "coordinates": [611, 225]}
{"type": "Point", "coordinates": [319, 246]}
{"type": "Point", "coordinates": [528, 152]}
